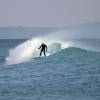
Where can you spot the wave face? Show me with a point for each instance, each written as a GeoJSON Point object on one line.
{"type": "Point", "coordinates": [29, 49]}
{"type": "Point", "coordinates": [67, 74]}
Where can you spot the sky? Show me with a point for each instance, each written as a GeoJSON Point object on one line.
{"type": "Point", "coordinates": [48, 13]}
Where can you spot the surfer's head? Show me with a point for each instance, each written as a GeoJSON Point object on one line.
{"type": "Point", "coordinates": [42, 43]}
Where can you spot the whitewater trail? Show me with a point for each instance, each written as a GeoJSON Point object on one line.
{"type": "Point", "coordinates": [29, 49]}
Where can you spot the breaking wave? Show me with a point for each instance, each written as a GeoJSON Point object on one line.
{"type": "Point", "coordinates": [29, 49]}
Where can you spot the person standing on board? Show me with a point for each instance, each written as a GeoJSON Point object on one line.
{"type": "Point", "coordinates": [43, 48]}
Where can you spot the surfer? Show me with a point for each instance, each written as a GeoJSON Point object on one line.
{"type": "Point", "coordinates": [43, 48]}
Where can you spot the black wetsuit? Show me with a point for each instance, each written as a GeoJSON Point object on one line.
{"type": "Point", "coordinates": [43, 48]}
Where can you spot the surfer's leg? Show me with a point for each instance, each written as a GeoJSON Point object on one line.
{"type": "Point", "coordinates": [40, 53]}
{"type": "Point", "coordinates": [44, 53]}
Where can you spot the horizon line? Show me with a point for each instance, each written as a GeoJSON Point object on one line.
{"type": "Point", "coordinates": [19, 26]}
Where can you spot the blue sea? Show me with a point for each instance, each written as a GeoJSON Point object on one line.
{"type": "Point", "coordinates": [71, 73]}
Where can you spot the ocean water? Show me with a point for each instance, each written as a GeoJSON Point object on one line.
{"type": "Point", "coordinates": [70, 73]}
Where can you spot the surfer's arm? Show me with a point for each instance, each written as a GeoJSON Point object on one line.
{"type": "Point", "coordinates": [40, 47]}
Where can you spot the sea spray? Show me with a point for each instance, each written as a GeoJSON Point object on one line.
{"type": "Point", "coordinates": [23, 52]}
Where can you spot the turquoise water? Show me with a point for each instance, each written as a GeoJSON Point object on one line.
{"type": "Point", "coordinates": [70, 74]}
